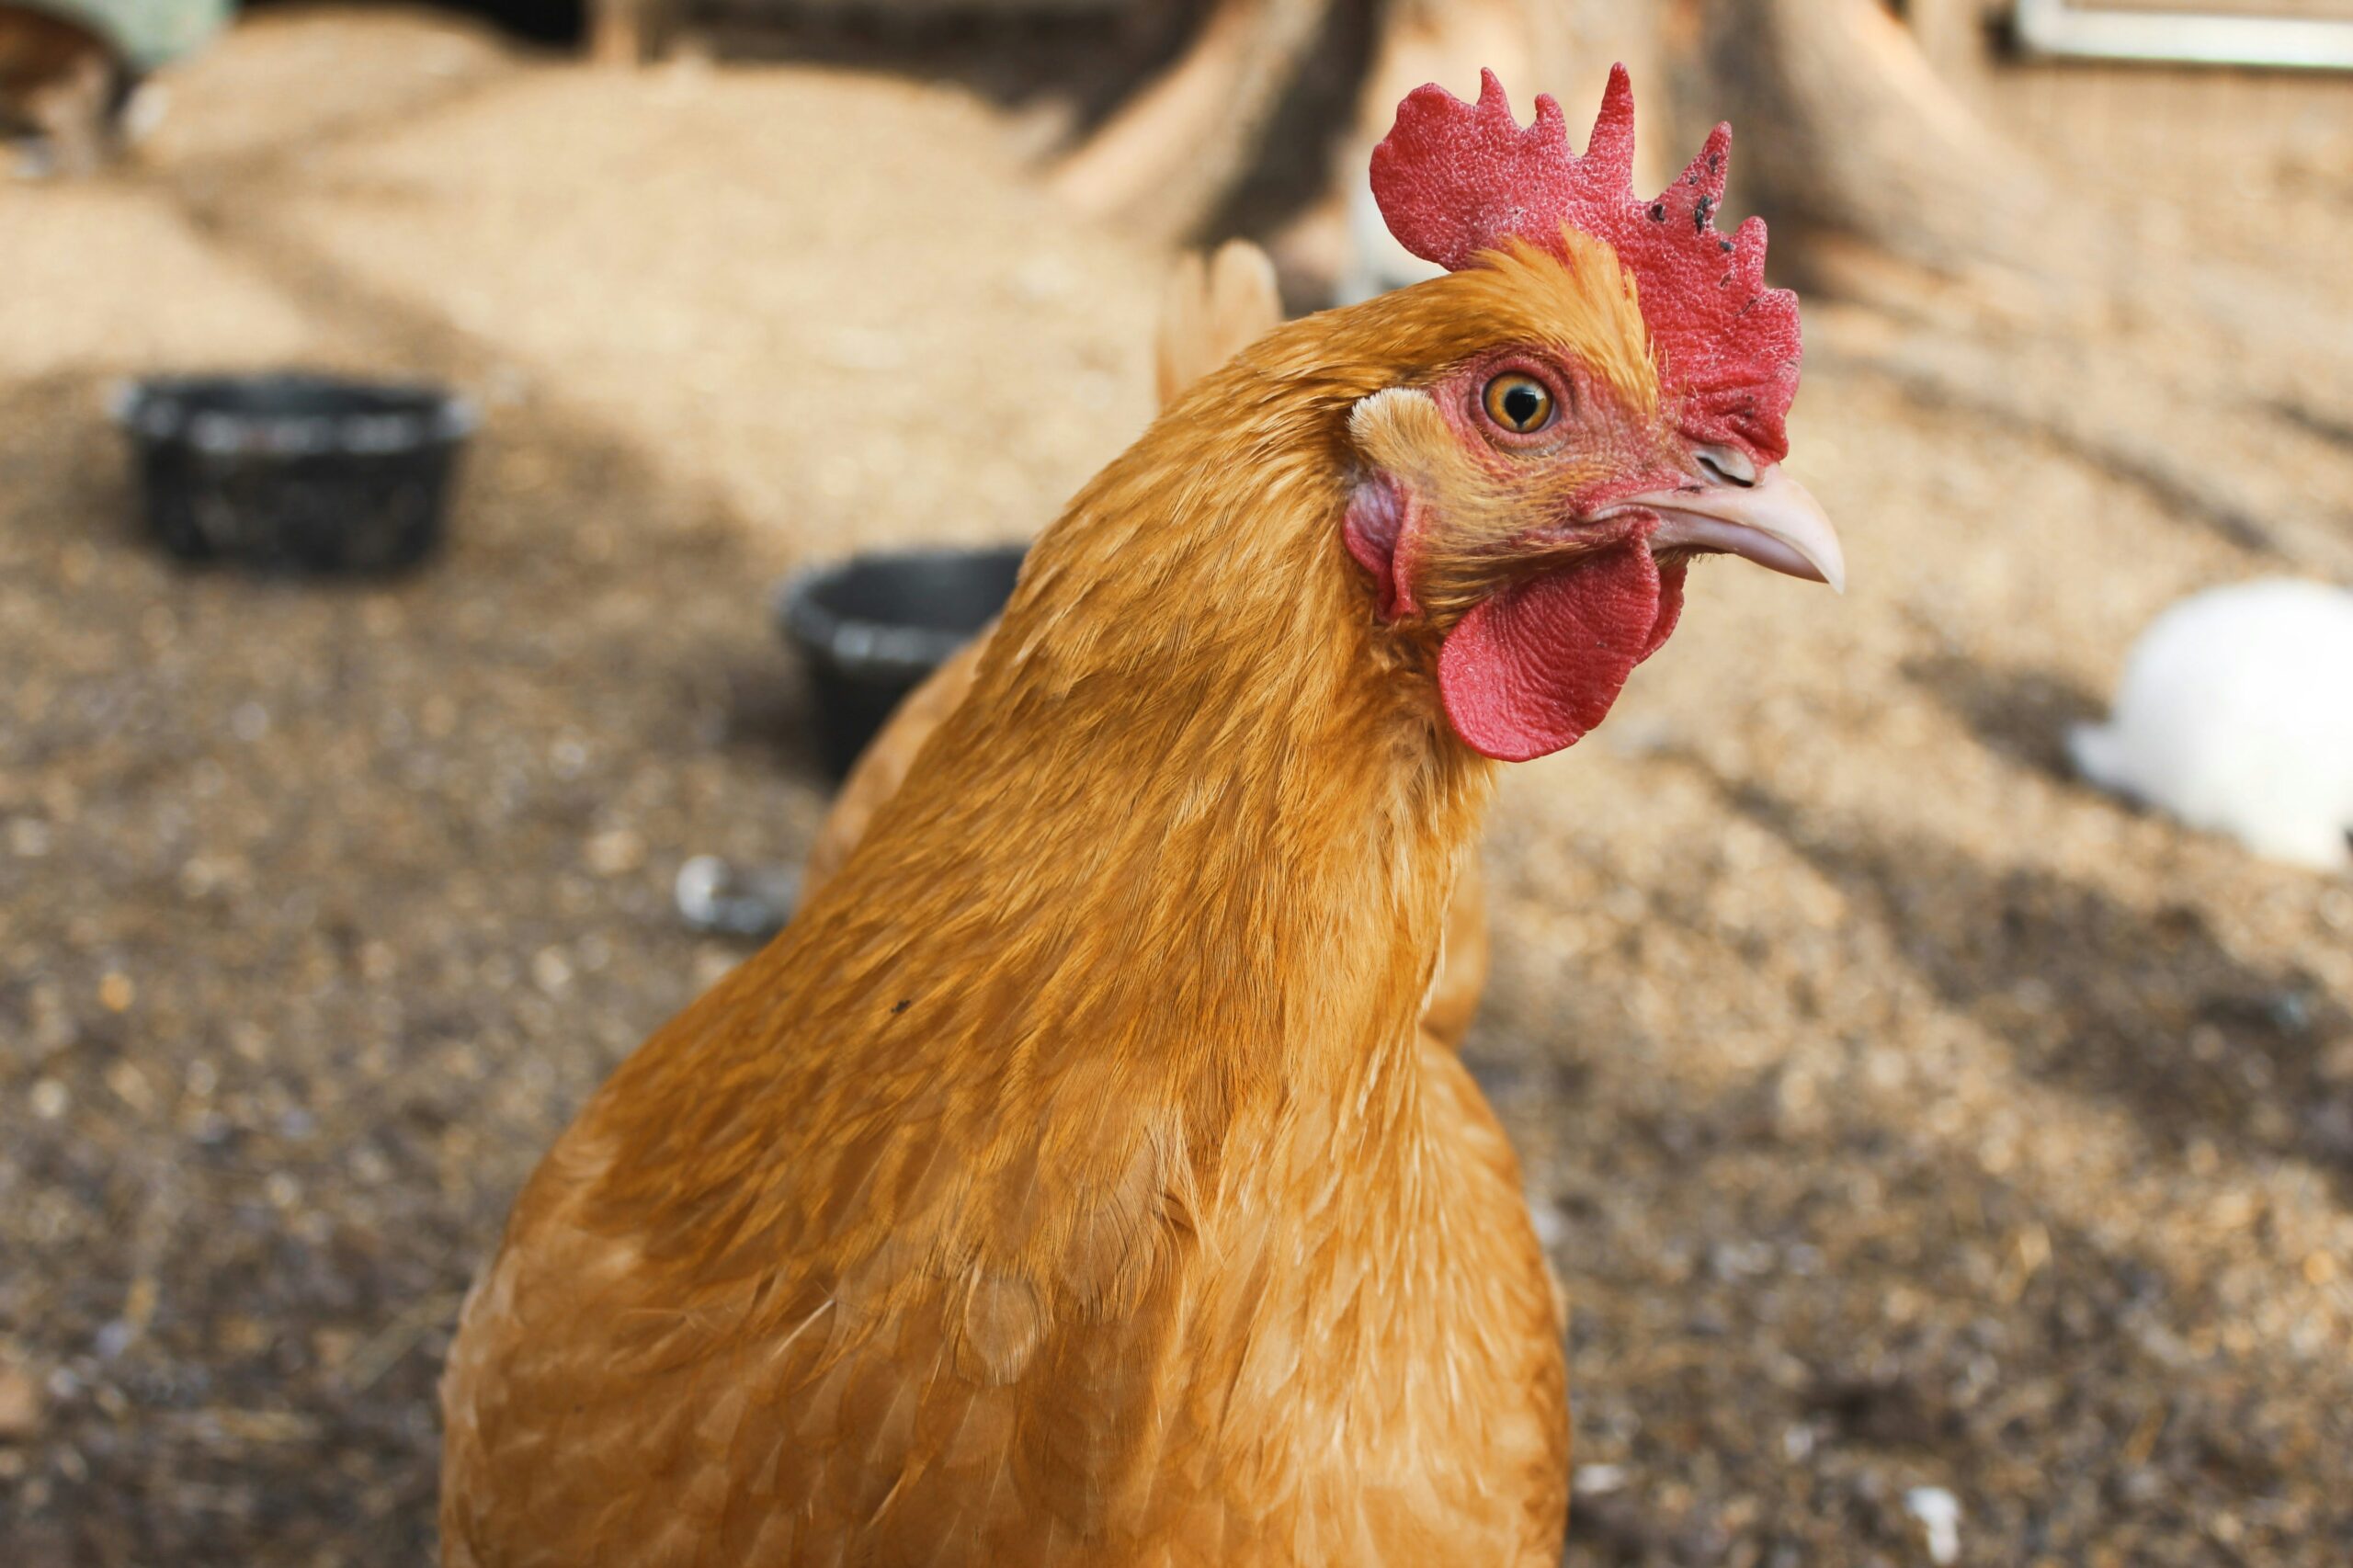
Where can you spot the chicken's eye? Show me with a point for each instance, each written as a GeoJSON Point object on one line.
{"type": "Point", "coordinates": [1517, 402]}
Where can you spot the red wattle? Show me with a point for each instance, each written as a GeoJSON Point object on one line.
{"type": "Point", "coordinates": [1670, 606]}
{"type": "Point", "coordinates": [1531, 669]}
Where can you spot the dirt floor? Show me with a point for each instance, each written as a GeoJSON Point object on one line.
{"type": "Point", "coordinates": [1901, 1113]}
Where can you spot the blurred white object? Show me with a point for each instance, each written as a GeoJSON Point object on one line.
{"type": "Point", "coordinates": [144, 110]}
{"type": "Point", "coordinates": [2236, 714]}
{"type": "Point", "coordinates": [1939, 1515]}
{"type": "Point", "coordinates": [1597, 1479]}
{"type": "Point", "coordinates": [715, 896]}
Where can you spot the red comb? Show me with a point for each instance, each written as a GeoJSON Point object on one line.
{"type": "Point", "coordinates": [1454, 179]}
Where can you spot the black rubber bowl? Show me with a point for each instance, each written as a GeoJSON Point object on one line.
{"type": "Point", "coordinates": [872, 627]}
{"type": "Point", "coordinates": [294, 472]}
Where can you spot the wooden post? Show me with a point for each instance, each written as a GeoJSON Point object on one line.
{"type": "Point", "coordinates": [629, 32]}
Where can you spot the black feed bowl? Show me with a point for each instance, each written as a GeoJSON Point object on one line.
{"type": "Point", "coordinates": [291, 471]}
{"type": "Point", "coordinates": [873, 627]}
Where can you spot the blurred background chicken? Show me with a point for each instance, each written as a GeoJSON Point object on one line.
{"type": "Point", "coordinates": [71, 74]}
{"type": "Point", "coordinates": [61, 85]}
{"type": "Point", "coordinates": [2236, 714]}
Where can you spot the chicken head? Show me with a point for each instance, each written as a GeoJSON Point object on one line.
{"type": "Point", "coordinates": [1530, 498]}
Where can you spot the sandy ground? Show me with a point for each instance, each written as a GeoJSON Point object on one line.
{"type": "Point", "coordinates": [1903, 1114]}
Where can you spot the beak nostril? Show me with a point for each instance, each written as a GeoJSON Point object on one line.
{"type": "Point", "coordinates": [1729, 464]}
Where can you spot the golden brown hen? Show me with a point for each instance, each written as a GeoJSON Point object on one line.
{"type": "Point", "coordinates": [1069, 1183]}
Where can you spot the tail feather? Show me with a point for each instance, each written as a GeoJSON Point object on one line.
{"type": "Point", "coordinates": [1212, 311]}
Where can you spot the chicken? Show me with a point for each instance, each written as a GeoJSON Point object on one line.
{"type": "Point", "coordinates": [74, 73]}
{"type": "Point", "coordinates": [60, 82]}
{"type": "Point", "coordinates": [2232, 716]}
{"type": "Point", "coordinates": [1069, 1183]}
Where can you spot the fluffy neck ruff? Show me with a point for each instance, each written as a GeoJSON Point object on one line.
{"type": "Point", "coordinates": [1198, 820]}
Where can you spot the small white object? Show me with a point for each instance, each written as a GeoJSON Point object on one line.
{"type": "Point", "coordinates": [1597, 1479]}
{"type": "Point", "coordinates": [2236, 714]}
{"type": "Point", "coordinates": [1939, 1512]}
{"type": "Point", "coordinates": [715, 896]}
{"type": "Point", "coordinates": [1552, 1231]}
{"type": "Point", "coordinates": [149, 102]}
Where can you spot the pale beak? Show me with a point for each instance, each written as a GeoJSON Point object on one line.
{"type": "Point", "coordinates": [1772, 522]}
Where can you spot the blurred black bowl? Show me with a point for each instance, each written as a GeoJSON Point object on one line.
{"type": "Point", "coordinates": [872, 627]}
{"type": "Point", "coordinates": [291, 471]}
